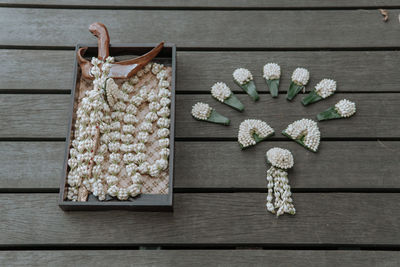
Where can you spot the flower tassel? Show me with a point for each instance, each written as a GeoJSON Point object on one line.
{"type": "Point", "coordinates": [279, 196]}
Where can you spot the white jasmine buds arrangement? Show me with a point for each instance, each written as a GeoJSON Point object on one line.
{"type": "Point", "coordinates": [343, 109]}
{"type": "Point", "coordinates": [322, 90]}
{"type": "Point", "coordinates": [304, 132]}
{"type": "Point", "coordinates": [110, 151]}
{"type": "Point", "coordinates": [300, 79]}
{"type": "Point", "coordinates": [252, 132]}
{"type": "Point", "coordinates": [244, 79]}
{"type": "Point", "coordinates": [223, 93]}
{"type": "Point", "coordinates": [272, 74]}
{"type": "Point", "coordinates": [279, 197]}
{"type": "Point", "coordinates": [203, 112]}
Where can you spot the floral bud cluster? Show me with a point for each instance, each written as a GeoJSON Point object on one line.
{"type": "Point", "coordinates": [280, 158]}
{"type": "Point", "coordinates": [345, 108]}
{"type": "Point", "coordinates": [305, 128]}
{"type": "Point", "coordinates": [272, 71]}
{"type": "Point", "coordinates": [250, 127]}
{"type": "Point", "coordinates": [300, 76]}
{"type": "Point", "coordinates": [201, 111]}
{"type": "Point", "coordinates": [242, 76]}
{"type": "Point", "coordinates": [325, 88]}
{"type": "Point", "coordinates": [220, 91]}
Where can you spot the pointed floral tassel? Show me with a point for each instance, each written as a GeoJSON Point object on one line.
{"type": "Point", "coordinates": [343, 109]}
{"type": "Point", "coordinates": [304, 132]}
{"type": "Point", "coordinates": [322, 90]}
{"type": "Point", "coordinates": [252, 132]}
{"type": "Point", "coordinates": [272, 73]}
{"type": "Point", "coordinates": [244, 79]}
{"type": "Point", "coordinates": [223, 93]}
{"type": "Point", "coordinates": [300, 78]}
{"type": "Point", "coordinates": [203, 112]}
{"type": "Point", "coordinates": [278, 183]}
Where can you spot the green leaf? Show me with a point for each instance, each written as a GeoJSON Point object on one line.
{"type": "Point", "coordinates": [328, 114]}
{"type": "Point", "coordinates": [273, 86]}
{"type": "Point", "coordinates": [257, 138]}
{"type": "Point", "coordinates": [312, 97]}
{"type": "Point", "coordinates": [215, 117]}
{"type": "Point", "coordinates": [294, 89]}
{"type": "Point", "coordinates": [250, 89]}
{"type": "Point", "coordinates": [300, 141]}
{"type": "Point", "coordinates": [234, 102]}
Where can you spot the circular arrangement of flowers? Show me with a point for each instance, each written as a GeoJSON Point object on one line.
{"type": "Point", "coordinates": [252, 131]}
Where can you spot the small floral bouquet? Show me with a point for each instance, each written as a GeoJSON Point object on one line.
{"type": "Point", "coordinates": [272, 74]}
{"type": "Point", "coordinates": [343, 109]}
{"type": "Point", "coordinates": [252, 132]}
{"type": "Point", "coordinates": [203, 112]}
{"type": "Point", "coordinates": [304, 132]}
{"type": "Point", "coordinates": [322, 90]}
{"type": "Point", "coordinates": [244, 79]}
{"type": "Point", "coordinates": [278, 183]}
{"type": "Point", "coordinates": [300, 78]}
{"type": "Point", "coordinates": [223, 93]}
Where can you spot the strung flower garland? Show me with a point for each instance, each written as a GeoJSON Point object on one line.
{"type": "Point", "coordinates": [244, 79]}
{"type": "Point", "coordinates": [322, 90]}
{"type": "Point", "coordinates": [87, 131]}
{"type": "Point", "coordinates": [203, 112]}
{"type": "Point", "coordinates": [343, 109]}
{"type": "Point", "coordinates": [252, 132]}
{"type": "Point", "coordinates": [300, 79]}
{"type": "Point", "coordinates": [304, 132]}
{"type": "Point", "coordinates": [278, 183]}
{"type": "Point", "coordinates": [115, 153]}
{"type": "Point", "coordinates": [223, 93]}
{"type": "Point", "coordinates": [272, 74]}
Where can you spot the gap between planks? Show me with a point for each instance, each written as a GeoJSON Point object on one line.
{"type": "Point", "coordinates": [190, 246]}
{"type": "Point", "coordinates": [223, 49]}
{"type": "Point", "coordinates": [194, 8]}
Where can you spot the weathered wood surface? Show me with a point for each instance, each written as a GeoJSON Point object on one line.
{"type": "Point", "coordinates": [298, 33]}
{"type": "Point", "coordinates": [173, 258]}
{"type": "Point", "coordinates": [202, 29]}
{"type": "Point", "coordinates": [46, 116]}
{"type": "Point", "coordinates": [207, 218]}
{"type": "Point", "coordinates": [376, 116]}
{"type": "Point", "coordinates": [214, 165]}
{"type": "Point", "coordinates": [207, 4]}
{"type": "Point", "coordinates": [354, 71]}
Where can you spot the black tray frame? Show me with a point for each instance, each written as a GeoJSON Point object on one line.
{"type": "Point", "coordinates": [144, 202]}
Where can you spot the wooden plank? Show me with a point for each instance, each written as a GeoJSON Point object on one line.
{"type": "Point", "coordinates": [254, 29]}
{"type": "Point", "coordinates": [207, 218]}
{"type": "Point", "coordinates": [46, 116]}
{"type": "Point", "coordinates": [31, 164]}
{"type": "Point", "coordinates": [34, 115]}
{"type": "Point", "coordinates": [206, 4]}
{"type": "Point", "coordinates": [199, 70]}
{"type": "Point", "coordinates": [165, 258]}
{"type": "Point", "coordinates": [350, 164]}
{"type": "Point", "coordinates": [37, 69]}
{"type": "Point", "coordinates": [375, 117]}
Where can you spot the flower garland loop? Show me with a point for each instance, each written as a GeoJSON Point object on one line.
{"type": "Point", "coordinates": [104, 143]}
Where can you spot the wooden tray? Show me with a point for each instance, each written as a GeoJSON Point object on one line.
{"type": "Point", "coordinates": [144, 202]}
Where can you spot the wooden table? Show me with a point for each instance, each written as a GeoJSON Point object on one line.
{"type": "Point", "coordinates": [347, 195]}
